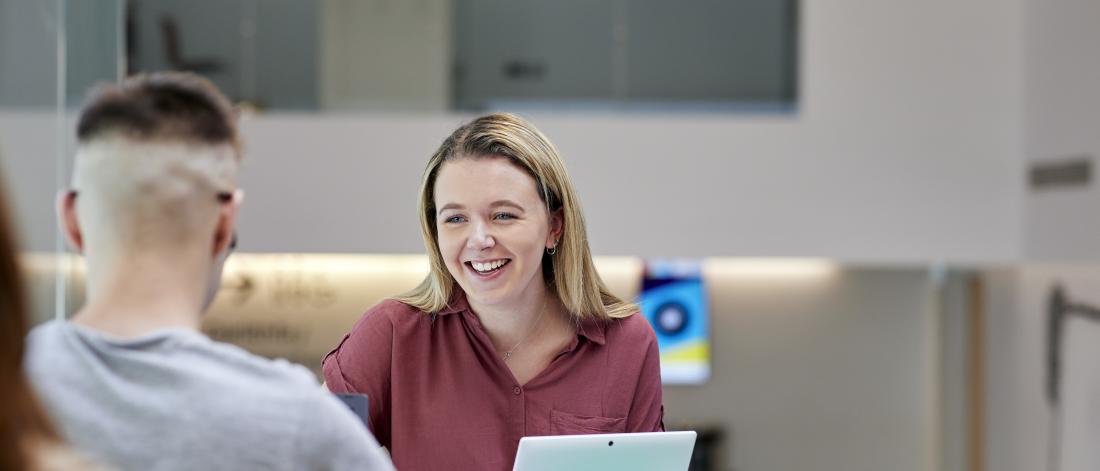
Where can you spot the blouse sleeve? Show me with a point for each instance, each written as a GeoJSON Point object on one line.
{"type": "Point", "coordinates": [647, 410]}
{"type": "Point", "coordinates": [361, 364]}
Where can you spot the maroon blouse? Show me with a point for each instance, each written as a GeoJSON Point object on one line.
{"type": "Point", "coordinates": [441, 397]}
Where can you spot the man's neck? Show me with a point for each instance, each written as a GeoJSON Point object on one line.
{"type": "Point", "coordinates": [133, 299]}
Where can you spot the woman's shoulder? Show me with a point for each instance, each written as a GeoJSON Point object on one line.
{"type": "Point", "coordinates": [394, 312]}
{"type": "Point", "coordinates": [631, 343]}
{"type": "Point", "coordinates": [630, 330]}
{"type": "Point", "coordinates": [391, 307]}
{"type": "Point", "coordinates": [376, 328]}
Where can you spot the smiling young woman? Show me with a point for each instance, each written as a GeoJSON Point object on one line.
{"type": "Point", "coordinates": [512, 333]}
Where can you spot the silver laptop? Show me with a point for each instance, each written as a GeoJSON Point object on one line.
{"type": "Point", "coordinates": [657, 451]}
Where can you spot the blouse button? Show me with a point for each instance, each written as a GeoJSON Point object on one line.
{"type": "Point", "coordinates": [516, 390]}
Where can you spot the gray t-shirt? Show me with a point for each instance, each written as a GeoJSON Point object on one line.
{"type": "Point", "coordinates": [174, 399]}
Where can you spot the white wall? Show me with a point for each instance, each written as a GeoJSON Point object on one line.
{"type": "Point", "coordinates": [1063, 119]}
{"type": "Point", "coordinates": [1018, 417]}
{"type": "Point", "coordinates": [830, 373]}
{"type": "Point", "coordinates": [1062, 111]}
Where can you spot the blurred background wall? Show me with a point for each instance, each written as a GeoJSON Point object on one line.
{"type": "Point", "coordinates": [905, 143]}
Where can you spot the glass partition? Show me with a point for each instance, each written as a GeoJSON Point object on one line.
{"type": "Point", "coordinates": [441, 55]}
{"type": "Point", "coordinates": [51, 52]}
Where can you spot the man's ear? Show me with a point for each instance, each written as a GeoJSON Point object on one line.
{"type": "Point", "coordinates": [227, 222]}
{"type": "Point", "coordinates": [556, 228]}
{"type": "Point", "coordinates": [70, 223]}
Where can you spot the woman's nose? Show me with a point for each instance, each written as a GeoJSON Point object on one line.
{"type": "Point", "coordinates": [480, 238]}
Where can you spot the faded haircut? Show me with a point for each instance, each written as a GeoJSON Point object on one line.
{"type": "Point", "coordinates": [156, 107]}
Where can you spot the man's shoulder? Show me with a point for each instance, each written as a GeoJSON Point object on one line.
{"type": "Point", "coordinates": [248, 366]}
{"type": "Point", "coordinates": [44, 341]}
{"type": "Point", "coordinates": [44, 332]}
{"type": "Point", "coordinates": [332, 435]}
{"type": "Point", "coordinates": [277, 385]}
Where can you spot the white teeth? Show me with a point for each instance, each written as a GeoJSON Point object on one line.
{"type": "Point", "coordinates": [489, 266]}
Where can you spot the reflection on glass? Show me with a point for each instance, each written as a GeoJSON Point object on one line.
{"type": "Point", "coordinates": [624, 54]}
{"type": "Point", "coordinates": [32, 61]}
{"type": "Point", "coordinates": [438, 55]}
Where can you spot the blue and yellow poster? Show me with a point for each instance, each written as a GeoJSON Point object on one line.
{"type": "Point", "coordinates": [674, 300]}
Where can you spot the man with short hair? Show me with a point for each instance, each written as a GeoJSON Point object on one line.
{"type": "Point", "coordinates": [130, 379]}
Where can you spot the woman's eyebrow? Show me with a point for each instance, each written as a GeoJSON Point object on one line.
{"type": "Point", "coordinates": [510, 203]}
{"type": "Point", "coordinates": [450, 206]}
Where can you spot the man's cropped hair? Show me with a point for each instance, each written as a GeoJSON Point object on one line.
{"type": "Point", "coordinates": [163, 106]}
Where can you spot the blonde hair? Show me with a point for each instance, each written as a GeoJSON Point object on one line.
{"type": "Point", "coordinates": [569, 271]}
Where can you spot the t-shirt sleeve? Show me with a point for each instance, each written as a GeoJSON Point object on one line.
{"type": "Point", "coordinates": [361, 364]}
{"type": "Point", "coordinates": [647, 410]}
{"type": "Point", "coordinates": [331, 438]}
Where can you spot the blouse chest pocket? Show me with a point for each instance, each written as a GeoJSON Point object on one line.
{"type": "Point", "coordinates": [565, 423]}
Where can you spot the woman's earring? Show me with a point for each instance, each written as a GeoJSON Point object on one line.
{"type": "Point", "coordinates": [552, 250]}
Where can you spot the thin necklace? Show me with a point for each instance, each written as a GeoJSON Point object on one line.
{"type": "Point", "coordinates": [508, 354]}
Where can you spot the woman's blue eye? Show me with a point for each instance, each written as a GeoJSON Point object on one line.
{"type": "Point", "coordinates": [454, 219]}
{"type": "Point", "coordinates": [504, 216]}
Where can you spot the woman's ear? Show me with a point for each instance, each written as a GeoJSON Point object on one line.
{"type": "Point", "coordinates": [557, 226]}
